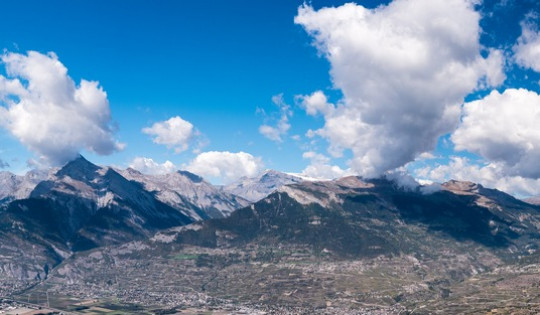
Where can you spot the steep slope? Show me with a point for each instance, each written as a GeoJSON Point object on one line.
{"type": "Point", "coordinates": [256, 188]}
{"type": "Point", "coordinates": [82, 206]}
{"type": "Point", "coordinates": [189, 193]}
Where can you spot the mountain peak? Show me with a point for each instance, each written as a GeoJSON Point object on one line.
{"type": "Point", "coordinates": [79, 168]}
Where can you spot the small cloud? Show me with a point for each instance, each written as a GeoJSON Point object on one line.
{"type": "Point", "coordinates": [426, 156]}
{"type": "Point", "coordinates": [311, 133]}
{"type": "Point", "coordinates": [527, 48]}
{"type": "Point", "coordinates": [224, 166]}
{"type": "Point", "coordinates": [271, 133]}
{"type": "Point", "coordinates": [316, 103]}
{"type": "Point", "coordinates": [149, 166]}
{"type": "Point", "coordinates": [403, 179]}
{"type": "Point", "coordinates": [282, 125]}
{"type": "Point", "coordinates": [175, 133]}
{"type": "Point", "coordinates": [320, 167]}
{"type": "Point", "coordinates": [40, 163]}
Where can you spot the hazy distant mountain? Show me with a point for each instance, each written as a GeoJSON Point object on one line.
{"type": "Point", "coordinates": [189, 193]}
{"type": "Point", "coordinates": [256, 188]}
{"type": "Point", "coordinates": [14, 187]}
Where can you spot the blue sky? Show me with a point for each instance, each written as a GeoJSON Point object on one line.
{"type": "Point", "coordinates": [211, 62]}
{"type": "Point", "coordinates": [218, 64]}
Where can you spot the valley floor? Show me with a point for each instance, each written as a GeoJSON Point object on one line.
{"type": "Point", "coordinates": [136, 279]}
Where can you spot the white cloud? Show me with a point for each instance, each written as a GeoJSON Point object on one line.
{"type": "Point", "coordinates": [425, 156]}
{"type": "Point", "coordinates": [321, 168]}
{"type": "Point", "coordinates": [316, 103]}
{"type": "Point", "coordinates": [527, 48]}
{"type": "Point", "coordinates": [174, 133]}
{"type": "Point", "coordinates": [503, 128]}
{"type": "Point", "coordinates": [490, 175]}
{"type": "Point", "coordinates": [270, 132]}
{"type": "Point", "coordinates": [225, 167]}
{"type": "Point", "coordinates": [149, 166]}
{"type": "Point", "coordinates": [404, 70]}
{"type": "Point", "coordinates": [282, 125]}
{"type": "Point", "coordinates": [403, 179]}
{"type": "Point", "coordinates": [41, 106]}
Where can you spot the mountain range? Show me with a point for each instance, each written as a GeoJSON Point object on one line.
{"type": "Point", "coordinates": [271, 242]}
{"type": "Point", "coordinates": [352, 217]}
{"type": "Point", "coordinates": [48, 215]}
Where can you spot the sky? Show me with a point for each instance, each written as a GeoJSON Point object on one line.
{"type": "Point", "coordinates": [425, 89]}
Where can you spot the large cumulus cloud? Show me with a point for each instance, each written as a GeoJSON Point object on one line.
{"type": "Point", "coordinates": [504, 128]}
{"type": "Point", "coordinates": [46, 111]}
{"type": "Point", "coordinates": [404, 70]}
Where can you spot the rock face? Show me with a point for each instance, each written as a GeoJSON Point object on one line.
{"type": "Point", "coordinates": [256, 188]}
{"type": "Point", "coordinates": [189, 193]}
